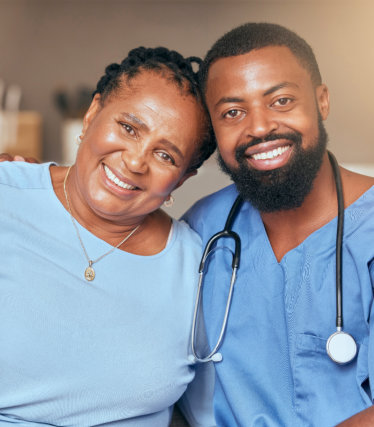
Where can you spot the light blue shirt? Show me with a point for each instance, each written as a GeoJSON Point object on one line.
{"type": "Point", "coordinates": [275, 370]}
{"type": "Point", "coordinates": [114, 351]}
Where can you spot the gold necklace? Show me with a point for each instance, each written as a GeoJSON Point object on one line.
{"type": "Point", "coordinates": [89, 272]}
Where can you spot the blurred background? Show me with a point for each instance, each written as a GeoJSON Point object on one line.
{"type": "Point", "coordinates": [54, 51]}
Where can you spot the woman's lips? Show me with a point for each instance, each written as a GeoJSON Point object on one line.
{"type": "Point", "coordinates": [116, 181]}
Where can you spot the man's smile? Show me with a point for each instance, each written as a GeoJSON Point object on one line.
{"type": "Point", "coordinates": [268, 155]}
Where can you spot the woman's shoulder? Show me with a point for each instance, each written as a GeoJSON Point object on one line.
{"type": "Point", "coordinates": [24, 175]}
{"type": "Point", "coordinates": [185, 232]}
{"type": "Point", "coordinates": [177, 231]}
{"type": "Point", "coordinates": [183, 244]}
{"type": "Point", "coordinates": [160, 234]}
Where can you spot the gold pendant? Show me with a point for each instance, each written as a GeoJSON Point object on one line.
{"type": "Point", "coordinates": [89, 273]}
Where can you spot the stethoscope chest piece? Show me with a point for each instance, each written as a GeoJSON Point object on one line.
{"type": "Point", "coordinates": [341, 347]}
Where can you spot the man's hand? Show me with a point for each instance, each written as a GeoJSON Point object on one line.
{"type": "Point", "coordinates": [8, 157]}
{"type": "Point", "coordinates": [362, 419]}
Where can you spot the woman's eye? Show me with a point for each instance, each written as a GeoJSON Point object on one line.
{"type": "Point", "coordinates": [128, 129]}
{"type": "Point", "coordinates": [164, 156]}
{"type": "Point", "coordinates": [232, 114]}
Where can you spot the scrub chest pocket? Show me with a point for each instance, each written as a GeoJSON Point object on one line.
{"type": "Point", "coordinates": [346, 386]}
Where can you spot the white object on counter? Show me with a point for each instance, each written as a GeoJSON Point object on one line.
{"type": "Point", "coordinates": [71, 128]}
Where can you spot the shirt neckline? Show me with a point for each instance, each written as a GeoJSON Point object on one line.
{"type": "Point", "coordinates": [348, 224]}
{"type": "Point", "coordinates": [170, 241]}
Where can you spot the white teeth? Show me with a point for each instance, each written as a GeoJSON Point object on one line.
{"type": "Point", "coordinates": [271, 154]}
{"type": "Point", "coordinates": [117, 181]}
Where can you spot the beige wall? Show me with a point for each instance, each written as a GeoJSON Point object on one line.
{"type": "Point", "coordinates": [45, 44]}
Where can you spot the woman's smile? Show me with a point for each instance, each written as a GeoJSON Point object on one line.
{"type": "Point", "coordinates": [117, 181]}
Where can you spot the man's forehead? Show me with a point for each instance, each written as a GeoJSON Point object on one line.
{"type": "Point", "coordinates": [272, 63]}
{"type": "Point", "coordinates": [266, 57]}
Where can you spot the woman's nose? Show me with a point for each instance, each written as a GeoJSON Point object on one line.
{"type": "Point", "coordinates": [260, 122]}
{"type": "Point", "coordinates": [135, 160]}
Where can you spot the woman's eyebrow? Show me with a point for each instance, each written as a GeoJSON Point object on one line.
{"type": "Point", "coordinates": [134, 119]}
{"type": "Point", "coordinates": [171, 146]}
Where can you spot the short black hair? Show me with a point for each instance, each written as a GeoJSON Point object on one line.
{"type": "Point", "coordinates": [172, 66]}
{"type": "Point", "coordinates": [251, 36]}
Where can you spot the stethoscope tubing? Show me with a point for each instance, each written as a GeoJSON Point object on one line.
{"type": "Point", "coordinates": [225, 233]}
{"type": "Point", "coordinates": [213, 353]}
{"type": "Point", "coordinates": [339, 242]}
{"type": "Point", "coordinates": [341, 347]}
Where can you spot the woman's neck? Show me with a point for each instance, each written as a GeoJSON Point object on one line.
{"type": "Point", "coordinates": [152, 232]}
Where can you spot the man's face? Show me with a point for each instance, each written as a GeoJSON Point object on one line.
{"type": "Point", "coordinates": [267, 116]}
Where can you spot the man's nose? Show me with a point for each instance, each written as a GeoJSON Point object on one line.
{"type": "Point", "coordinates": [260, 122]}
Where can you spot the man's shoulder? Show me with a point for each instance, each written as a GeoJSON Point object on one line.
{"type": "Point", "coordinates": [214, 201]}
{"type": "Point", "coordinates": [355, 184]}
{"type": "Point", "coordinates": [359, 227]}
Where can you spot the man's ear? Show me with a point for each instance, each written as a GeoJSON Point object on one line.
{"type": "Point", "coordinates": [185, 177]}
{"type": "Point", "coordinates": [93, 109]}
{"type": "Point", "coordinates": [323, 100]}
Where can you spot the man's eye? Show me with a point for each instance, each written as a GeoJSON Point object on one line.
{"type": "Point", "coordinates": [282, 102]}
{"type": "Point", "coordinates": [164, 156]}
{"type": "Point", "coordinates": [232, 114]}
{"type": "Point", "coordinates": [128, 129]}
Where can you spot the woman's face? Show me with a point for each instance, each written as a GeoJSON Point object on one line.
{"type": "Point", "coordinates": [137, 146]}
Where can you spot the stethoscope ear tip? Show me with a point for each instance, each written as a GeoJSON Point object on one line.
{"type": "Point", "coordinates": [192, 358]}
{"type": "Point", "coordinates": [217, 357]}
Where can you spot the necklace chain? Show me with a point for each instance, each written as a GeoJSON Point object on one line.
{"type": "Point", "coordinates": [89, 273]}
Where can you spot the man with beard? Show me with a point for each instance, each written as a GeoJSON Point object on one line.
{"type": "Point", "coordinates": [267, 102]}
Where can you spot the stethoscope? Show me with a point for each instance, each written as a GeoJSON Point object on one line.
{"type": "Point", "coordinates": [341, 346]}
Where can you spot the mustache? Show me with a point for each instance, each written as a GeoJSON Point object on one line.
{"type": "Point", "coordinates": [294, 137]}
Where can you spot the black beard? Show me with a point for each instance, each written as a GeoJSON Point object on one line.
{"type": "Point", "coordinates": [283, 188]}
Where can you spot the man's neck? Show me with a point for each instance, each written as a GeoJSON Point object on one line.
{"type": "Point", "coordinates": [287, 229]}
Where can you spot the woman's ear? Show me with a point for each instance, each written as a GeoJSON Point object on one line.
{"type": "Point", "coordinates": [93, 109]}
{"type": "Point", "coordinates": [185, 177]}
{"type": "Point", "coordinates": [323, 100]}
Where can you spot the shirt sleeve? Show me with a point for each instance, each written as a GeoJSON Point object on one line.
{"type": "Point", "coordinates": [368, 385]}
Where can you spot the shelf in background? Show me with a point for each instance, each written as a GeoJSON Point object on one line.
{"type": "Point", "coordinates": [21, 133]}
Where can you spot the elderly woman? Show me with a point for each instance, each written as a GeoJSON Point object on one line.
{"type": "Point", "coordinates": [97, 283]}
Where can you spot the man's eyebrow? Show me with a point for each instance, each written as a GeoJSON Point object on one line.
{"type": "Point", "coordinates": [280, 86]}
{"type": "Point", "coordinates": [134, 119]}
{"type": "Point", "coordinates": [228, 99]}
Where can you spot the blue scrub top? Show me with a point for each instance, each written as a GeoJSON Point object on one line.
{"type": "Point", "coordinates": [275, 370]}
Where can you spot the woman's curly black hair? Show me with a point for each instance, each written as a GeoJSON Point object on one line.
{"type": "Point", "coordinates": [171, 65]}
